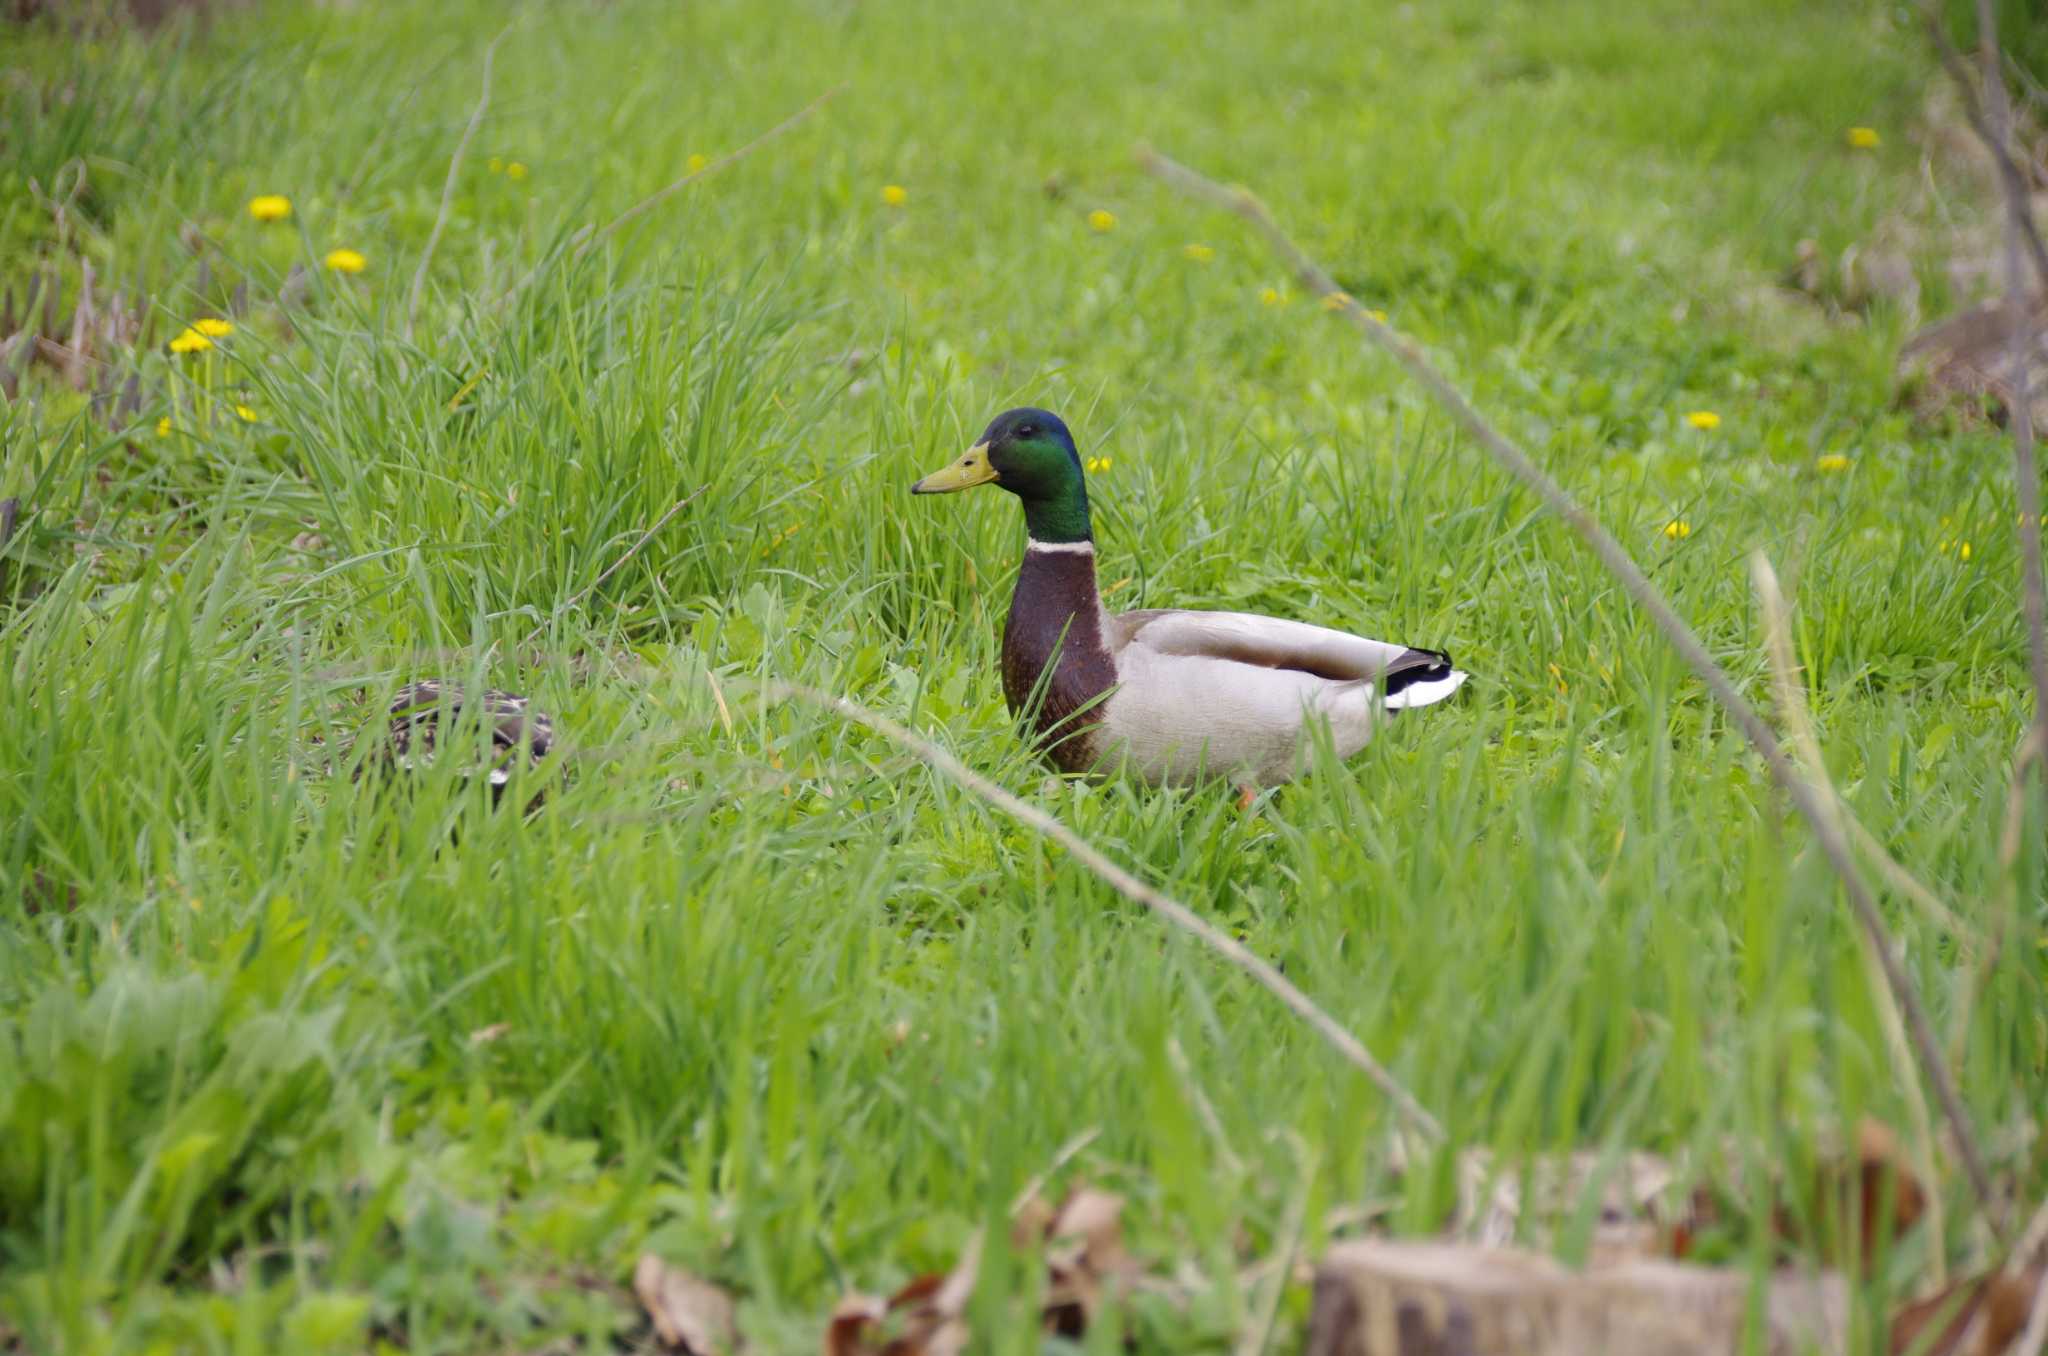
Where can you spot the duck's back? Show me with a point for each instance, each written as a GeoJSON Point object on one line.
{"type": "Point", "coordinates": [1234, 693]}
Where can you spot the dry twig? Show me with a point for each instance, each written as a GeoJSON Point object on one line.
{"type": "Point", "coordinates": [2009, 174]}
{"type": "Point", "coordinates": [1996, 130]}
{"type": "Point", "coordinates": [1646, 595]}
{"type": "Point", "coordinates": [1205, 1110]}
{"type": "Point", "coordinates": [655, 199]}
{"type": "Point", "coordinates": [1131, 888]}
{"type": "Point", "coordinates": [613, 568]}
{"type": "Point", "coordinates": [1062, 1156]}
{"type": "Point", "coordinates": [483, 102]}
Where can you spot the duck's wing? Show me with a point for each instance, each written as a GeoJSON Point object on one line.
{"type": "Point", "coordinates": [1412, 677]}
{"type": "Point", "coordinates": [416, 725]}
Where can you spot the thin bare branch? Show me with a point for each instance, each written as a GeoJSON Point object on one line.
{"type": "Point", "coordinates": [613, 568]}
{"type": "Point", "coordinates": [1996, 129]}
{"type": "Point", "coordinates": [2009, 174]}
{"type": "Point", "coordinates": [1131, 888]}
{"type": "Point", "coordinates": [655, 199]}
{"type": "Point", "coordinates": [1062, 1156]}
{"type": "Point", "coordinates": [476, 117]}
{"type": "Point", "coordinates": [1646, 595]}
{"type": "Point", "coordinates": [1205, 1110]}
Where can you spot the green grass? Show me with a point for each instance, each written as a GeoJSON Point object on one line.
{"type": "Point", "coordinates": [776, 1001]}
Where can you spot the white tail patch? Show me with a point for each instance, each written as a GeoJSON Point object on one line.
{"type": "Point", "coordinates": [1425, 692]}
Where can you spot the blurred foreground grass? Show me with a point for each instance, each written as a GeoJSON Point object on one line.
{"type": "Point", "coordinates": [291, 1062]}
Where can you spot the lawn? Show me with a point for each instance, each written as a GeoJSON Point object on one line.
{"type": "Point", "coordinates": [292, 1060]}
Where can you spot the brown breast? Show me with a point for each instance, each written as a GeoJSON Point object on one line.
{"type": "Point", "coordinates": [1056, 620]}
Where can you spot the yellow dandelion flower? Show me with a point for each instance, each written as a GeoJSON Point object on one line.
{"type": "Point", "coordinates": [1705, 420]}
{"type": "Point", "coordinates": [496, 164]}
{"type": "Point", "coordinates": [696, 163]}
{"type": "Point", "coordinates": [1943, 548]}
{"type": "Point", "coordinates": [1833, 461]}
{"type": "Point", "coordinates": [1864, 138]}
{"type": "Point", "coordinates": [1380, 316]}
{"type": "Point", "coordinates": [1678, 529]}
{"type": "Point", "coordinates": [1201, 254]}
{"type": "Point", "coordinates": [346, 261]}
{"type": "Point", "coordinates": [894, 195]}
{"type": "Point", "coordinates": [213, 327]}
{"type": "Point", "coordinates": [270, 207]}
{"type": "Point", "coordinates": [163, 427]}
{"type": "Point", "coordinates": [1098, 463]}
{"type": "Point", "coordinates": [1336, 301]}
{"type": "Point", "coordinates": [515, 171]}
{"type": "Point", "coordinates": [1100, 221]}
{"type": "Point", "coordinates": [1270, 296]}
{"type": "Point", "coordinates": [245, 414]}
{"type": "Point", "coordinates": [190, 340]}
{"type": "Point", "coordinates": [1962, 550]}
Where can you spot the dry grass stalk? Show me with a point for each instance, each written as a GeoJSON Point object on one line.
{"type": "Point", "coordinates": [1806, 744]}
{"type": "Point", "coordinates": [655, 199]}
{"type": "Point", "coordinates": [1131, 888]}
{"type": "Point", "coordinates": [476, 117]}
{"type": "Point", "coordinates": [1646, 595]}
{"type": "Point", "coordinates": [614, 567]}
{"type": "Point", "coordinates": [2021, 236]}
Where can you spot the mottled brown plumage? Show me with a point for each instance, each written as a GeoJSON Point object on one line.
{"type": "Point", "coordinates": [515, 729]}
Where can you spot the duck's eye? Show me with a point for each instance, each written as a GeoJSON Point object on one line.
{"type": "Point", "coordinates": [1027, 431]}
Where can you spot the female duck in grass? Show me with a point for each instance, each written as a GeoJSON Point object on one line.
{"type": "Point", "coordinates": [1167, 694]}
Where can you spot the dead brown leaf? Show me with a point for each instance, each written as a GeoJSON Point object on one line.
{"type": "Point", "coordinates": [690, 1314]}
{"type": "Point", "coordinates": [1085, 1257]}
{"type": "Point", "coordinates": [1873, 1192]}
{"type": "Point", "coordinates": [927, 1317]}
{"type": "Point", "coordinates": [1975, 1317]}
{"type": "Point", "coordinates": [1871, 1189]}
{"type": "Point", "coordinates": [1886, 1195]}
{"type": "Point", "coordinates": [1031, 1221]}
{"type": "Point", "coordinates": [846, 1330]}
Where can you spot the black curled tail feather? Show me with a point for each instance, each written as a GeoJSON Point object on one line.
{"type": "Point", "coordinates": [1417, 666]}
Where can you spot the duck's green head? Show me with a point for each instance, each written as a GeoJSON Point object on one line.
{"type": "Point", "coordinates": [1029, 453]}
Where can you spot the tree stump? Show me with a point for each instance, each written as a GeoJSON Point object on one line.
{"type": "Point", "coordinates": [1384, 1298]}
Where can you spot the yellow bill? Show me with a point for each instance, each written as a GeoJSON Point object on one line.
{"type": "Point", "coordinates": [972, 469]}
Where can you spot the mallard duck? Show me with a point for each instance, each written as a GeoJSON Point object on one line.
{"type": "Point", "coordinates": [515, 728]}
{"type": "Point", "coordinates": [1167, 694]}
